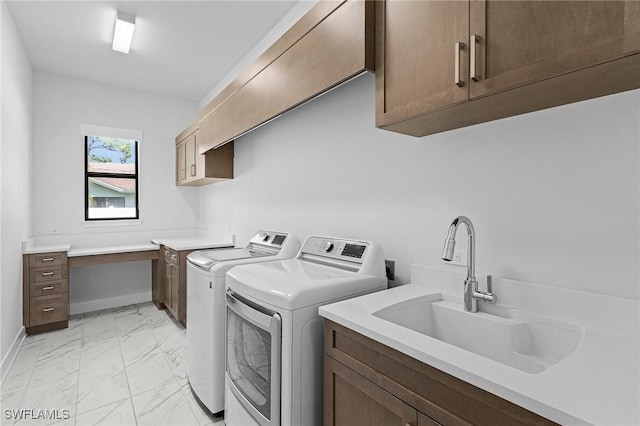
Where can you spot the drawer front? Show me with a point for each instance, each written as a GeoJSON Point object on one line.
{"type": "Point", "coordinates": [48, 287]}
{"type": "Point", "coordinates": [47, 259]}
{"type": "Point", "coordinates": [47, 309]}
{"type": "Point", "coordinates": [171, 256]}
{"type": "Point", "coordinates": [53, 273]}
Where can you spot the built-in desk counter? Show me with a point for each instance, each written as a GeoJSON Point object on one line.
{"type": "Point", "coordinates": [46, 261]}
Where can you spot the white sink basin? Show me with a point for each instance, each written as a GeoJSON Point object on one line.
{"type": "Point", "coordinates": [531, 345]}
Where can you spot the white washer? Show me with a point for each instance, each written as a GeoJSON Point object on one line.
{"type": "Point", "coordinates": [274, 332]}
{"type": "Point", "coordinates": [206, 308]}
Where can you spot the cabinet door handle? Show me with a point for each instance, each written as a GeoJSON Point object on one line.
{"type": "Point", "coordinates": [48, 288]}
{"type": "Point", "coordinates": [48, 259]}
{"type": "Point", "coordinates": [47, 274]}
{"type": "Point", "coordinates": [474, 39]}
{"type": "Point", "coordinates": [193, 170]}
{"type": "Point", "coordinates": [457, 81]}
{"type": "Point", "coordinates": [48, 309]}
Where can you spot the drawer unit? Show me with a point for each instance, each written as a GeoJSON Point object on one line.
{"type": "Point", "coordinates": [48, 273]}
{"type": "Point", "coordinates": [49, 287]}
{"type": "Point", "coordinates": [45, 292]}
{"type": "Point", "coordinates": [47, 259]}
{"type": "Point", "coordinates": [48, 309]}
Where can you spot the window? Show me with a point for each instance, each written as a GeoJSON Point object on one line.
{"type": "Point", "coordinates": [111, 178]}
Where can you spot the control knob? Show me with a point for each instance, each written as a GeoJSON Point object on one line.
{"type": "Point", "coordinates": [327, 246]}
{"type": "Point", "coordinates": [265, 237]}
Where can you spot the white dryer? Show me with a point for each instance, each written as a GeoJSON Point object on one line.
{"type": "Point", "coordinates": [274, 332]}
{"type": "Point", "coordinates": [206, 308]}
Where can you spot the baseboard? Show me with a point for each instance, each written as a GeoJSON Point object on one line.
{"type": "Point", "coordinates": [110, 302]}
{"type": "Point", "coordinates": [11, 355]}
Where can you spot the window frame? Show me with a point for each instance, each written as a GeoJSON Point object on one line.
{"type": "Point", "coordinates": [88, 174]}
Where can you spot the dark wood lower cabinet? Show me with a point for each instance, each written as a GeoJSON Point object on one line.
{"type": "Point", "coordinates": [368, 383]}
{"type": "Point", "coordinates": [357, 401]}
{"type": "Point", "coordinates": [169, 290]}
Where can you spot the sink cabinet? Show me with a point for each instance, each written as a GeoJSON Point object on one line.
{"type": "Point", "coordinates": [368, 383]}
{"type": "Point", "coordinates": [441, 65]}
{"type": "Point", "coordinates": [195, 169]}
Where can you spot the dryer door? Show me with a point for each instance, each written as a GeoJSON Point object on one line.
{"type": "Point", "coordinates": [254, 357]}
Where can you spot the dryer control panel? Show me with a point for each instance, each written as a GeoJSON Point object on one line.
{"type": "Point", "coordinates": [336, 248]}
{"type": "Point", "coordinates": [363, 257]}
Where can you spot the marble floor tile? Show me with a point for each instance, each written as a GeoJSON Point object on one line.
{"type": "Point", "coordinates": [57, 396]}
{"type": "Point", "coordinates": [60, 343]}
{"type": "Point", "coordinates": [118, 413]}
{"type": "Point", "coordinates": [53, 367]}
{"type": "Point", "coordinates": [201, 414]}
{"type": "Point", "coordinates": [100, 354]}
{"type": "Point", "coordinates": [167, 329]}
{"type": "Point", "coordinates": [99, 326]}
{"type": "Point", "coordinates": [18, 377]}
{"type": "Point", "coordinates": [163, 406]}
{"type": "Point", "coordinates": [130, 321]}
{"type": "Point", "coordinates": [101, 387]}
{"type": "Point", "coordinates": [10, 401]}
{"type": "Point", "coordinates": [149, 372]}
{"type": "Point", "coordinates": [137, 345]}
{"type": "Point", "coordinates": [119, 367]}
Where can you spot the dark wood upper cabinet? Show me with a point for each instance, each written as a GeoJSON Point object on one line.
{"type": "Point", "coordinates": [327, 46]}
{"type": "Point", "coordinates": [441, 65]}
{"type": "Point", "coordinates": [416, 58]}
{"type": "Point", "coordinates": [523, 42]}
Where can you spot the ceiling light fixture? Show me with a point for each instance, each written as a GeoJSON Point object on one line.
{"type": "Point", "coordinates": [123, 33]}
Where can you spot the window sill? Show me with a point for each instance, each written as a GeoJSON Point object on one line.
{"type": "Point", "coordinates": [111, 223]}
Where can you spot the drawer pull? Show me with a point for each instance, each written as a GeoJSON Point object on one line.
{"type": "Point", "coordinates": [456, 76]}
{"type": "Point", "coordinates": [48, 309]}
{"type": "Point", "coordinates": [48, 288]}
{"type": "Point", "coordinates": [472, 47]}
{"type": "Point", "coordinates": [48, 259]}
{"type": "Point", "coordinates": [193, 170]}
{"type": "Point", "coordinates": [47, 274]}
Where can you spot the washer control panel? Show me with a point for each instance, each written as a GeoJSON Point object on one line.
{"type": "Point", "coordinates": [336, 248]}
{"type": "Point", "coordinates": [269, 238]}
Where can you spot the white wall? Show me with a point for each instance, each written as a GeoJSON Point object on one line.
{"type": "Point", "coordinates": [554, 195]}
{"type": "Point", "coordinates": [61, 105]}
{"type": "Point", "coordinates": [15, 182]}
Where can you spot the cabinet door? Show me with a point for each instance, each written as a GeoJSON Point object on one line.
{"type": "Point", "coordinates": [352, 400]}
{"type": "Point", "coordinates": [167, 284]}
{"type": "Point", "coordinates": [175, 288]}
{"type": "Point", "coordinates": [419, 65]}
{"type": "Point", "coordinates": [521, 42]}
{"type": "Point", "coordinates": [181, 163]}
{"type": "Point", "coordinates": [198, 159]}
{"type": "Point", "coordinates": [191, 154]}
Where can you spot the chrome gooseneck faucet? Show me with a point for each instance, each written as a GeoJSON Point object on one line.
{"type": "Point", "coordinates": [471, 293]}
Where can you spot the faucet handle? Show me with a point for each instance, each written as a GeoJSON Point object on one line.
{"type": "Point", "coordinates": [489, 284]}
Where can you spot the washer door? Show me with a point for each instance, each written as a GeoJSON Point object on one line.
{"type": "Point", "coordinates": [254, 357]}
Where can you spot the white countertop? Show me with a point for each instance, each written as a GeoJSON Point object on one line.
{"type": "Point", "coordinates": [193, 243]}
{"type": "Point", "coordinates": [124, 248]}
{"type": "Point", "coordinates": [596, 384]}
{"type": "Point", "coordinates": [120, 242]}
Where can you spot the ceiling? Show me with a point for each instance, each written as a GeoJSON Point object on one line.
{"type": "Point", "coordinates": [180, 48]}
